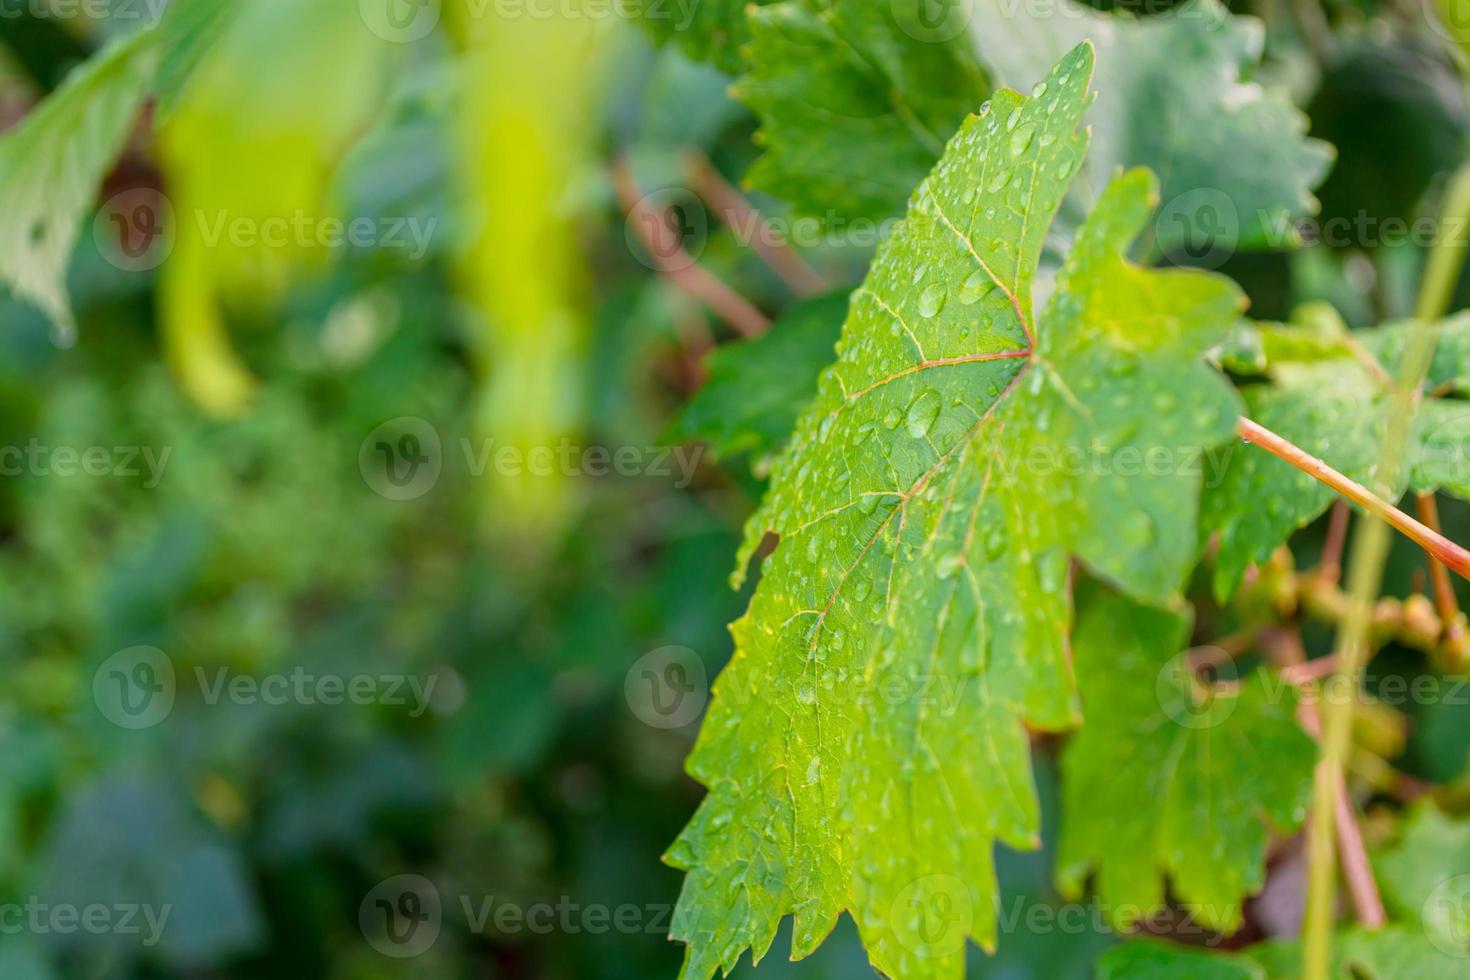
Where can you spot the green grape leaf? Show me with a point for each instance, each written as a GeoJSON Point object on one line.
{"type": "Point", "coordinates": [52, 162]}
{"type": "Point", "coordinates": [1390, 953]}
{"type": "Point", "coordinates": [866, 746]}
{"type": "Point", "coordinates": [706, 30]}
{"type": "Point", "coordinates": [1169, 776]}
{"type": "Point", "coordinates": [1425, 876]}
{"type": "Point", "coordinates": [1175, 96]}
{"type": "Point", "coordinates": [757, 388]}
{"type": "Point", "coordinates": [856, 103]}
{"type": "Point", "coordinates": [1329, 395]}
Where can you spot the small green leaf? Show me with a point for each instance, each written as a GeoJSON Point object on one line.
{"type": "Point", "coordinates": [757, 388]}
{"type": "Point", "coordinates": [867, 745]}
{"type": "Point", "coordinates": [1170, 777]}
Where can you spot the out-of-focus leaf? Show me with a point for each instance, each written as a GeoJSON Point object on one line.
{"type": "Point", "coordinates": [1450, 369]}
{"type": "Point", "coordinates": [522, 142]}
{"type": "Point", "coordinates": [1425, 875]}
{"type": "Point", "coordinates": [686, 103]}
{"type": "Point", "coordinates": [913, 552]}
{"type": "Point", "coordinates": [249, 160]}
{"type": "Point", "coordinates": [1146, 960]}
{"type": "Point", "coordinates": [1174, 95]}
{"type": "Point", "coordinates": [1397, 110]}
{"type": "Point", "coordinates": [1165, 777]}
{"type": "Point", "coordinates": [706, 30]}
{"type": "Point", "coordinates": [757, 388]}
{"type": "Point", "coordinates": [52, 162]}
{"type": "Point", "coordinates": [854, 108]}
{"type": "Point", "coordinates": [21, 960]}
{"type": "Point", "coordinates": [1391, 953]}
{"type": "Point", "coordinates": [126, 840]}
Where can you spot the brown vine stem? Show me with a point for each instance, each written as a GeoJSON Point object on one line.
{"type": "Point", "coordinates": [751, 228]}
{"type": "Point", "coordinates": [668, 256]}
{"type": "Point", "coordinates": [1287, 649]}
{"type": "Point", "coordinates": [1444, 590]}
{"type": "Point", "coordinates": [1356, 867]}
{"type": "Point", "coordinates": [1331, 564]}
{"type": "Point", "coordinates": [1454, 557]}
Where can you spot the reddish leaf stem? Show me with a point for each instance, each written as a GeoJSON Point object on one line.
{"type": "Point", "coordinates": [1331, 565]}
{"type": "Point", "coordinates": [1444, 589]}
{"type": "Point", "coordinates": [668, 255]}
{"type": "Point", "coordinates": [1454, 557]}
{"type": "Point", "coordinates": [1291, 655]}
{"type": "Point", "coordinates": [1355, 865]}
{"type": "Point", "coordinates": [751, 228]}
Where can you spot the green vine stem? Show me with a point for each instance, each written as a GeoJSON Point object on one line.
{"type": "Point", "coordinates": [1365, 576]}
